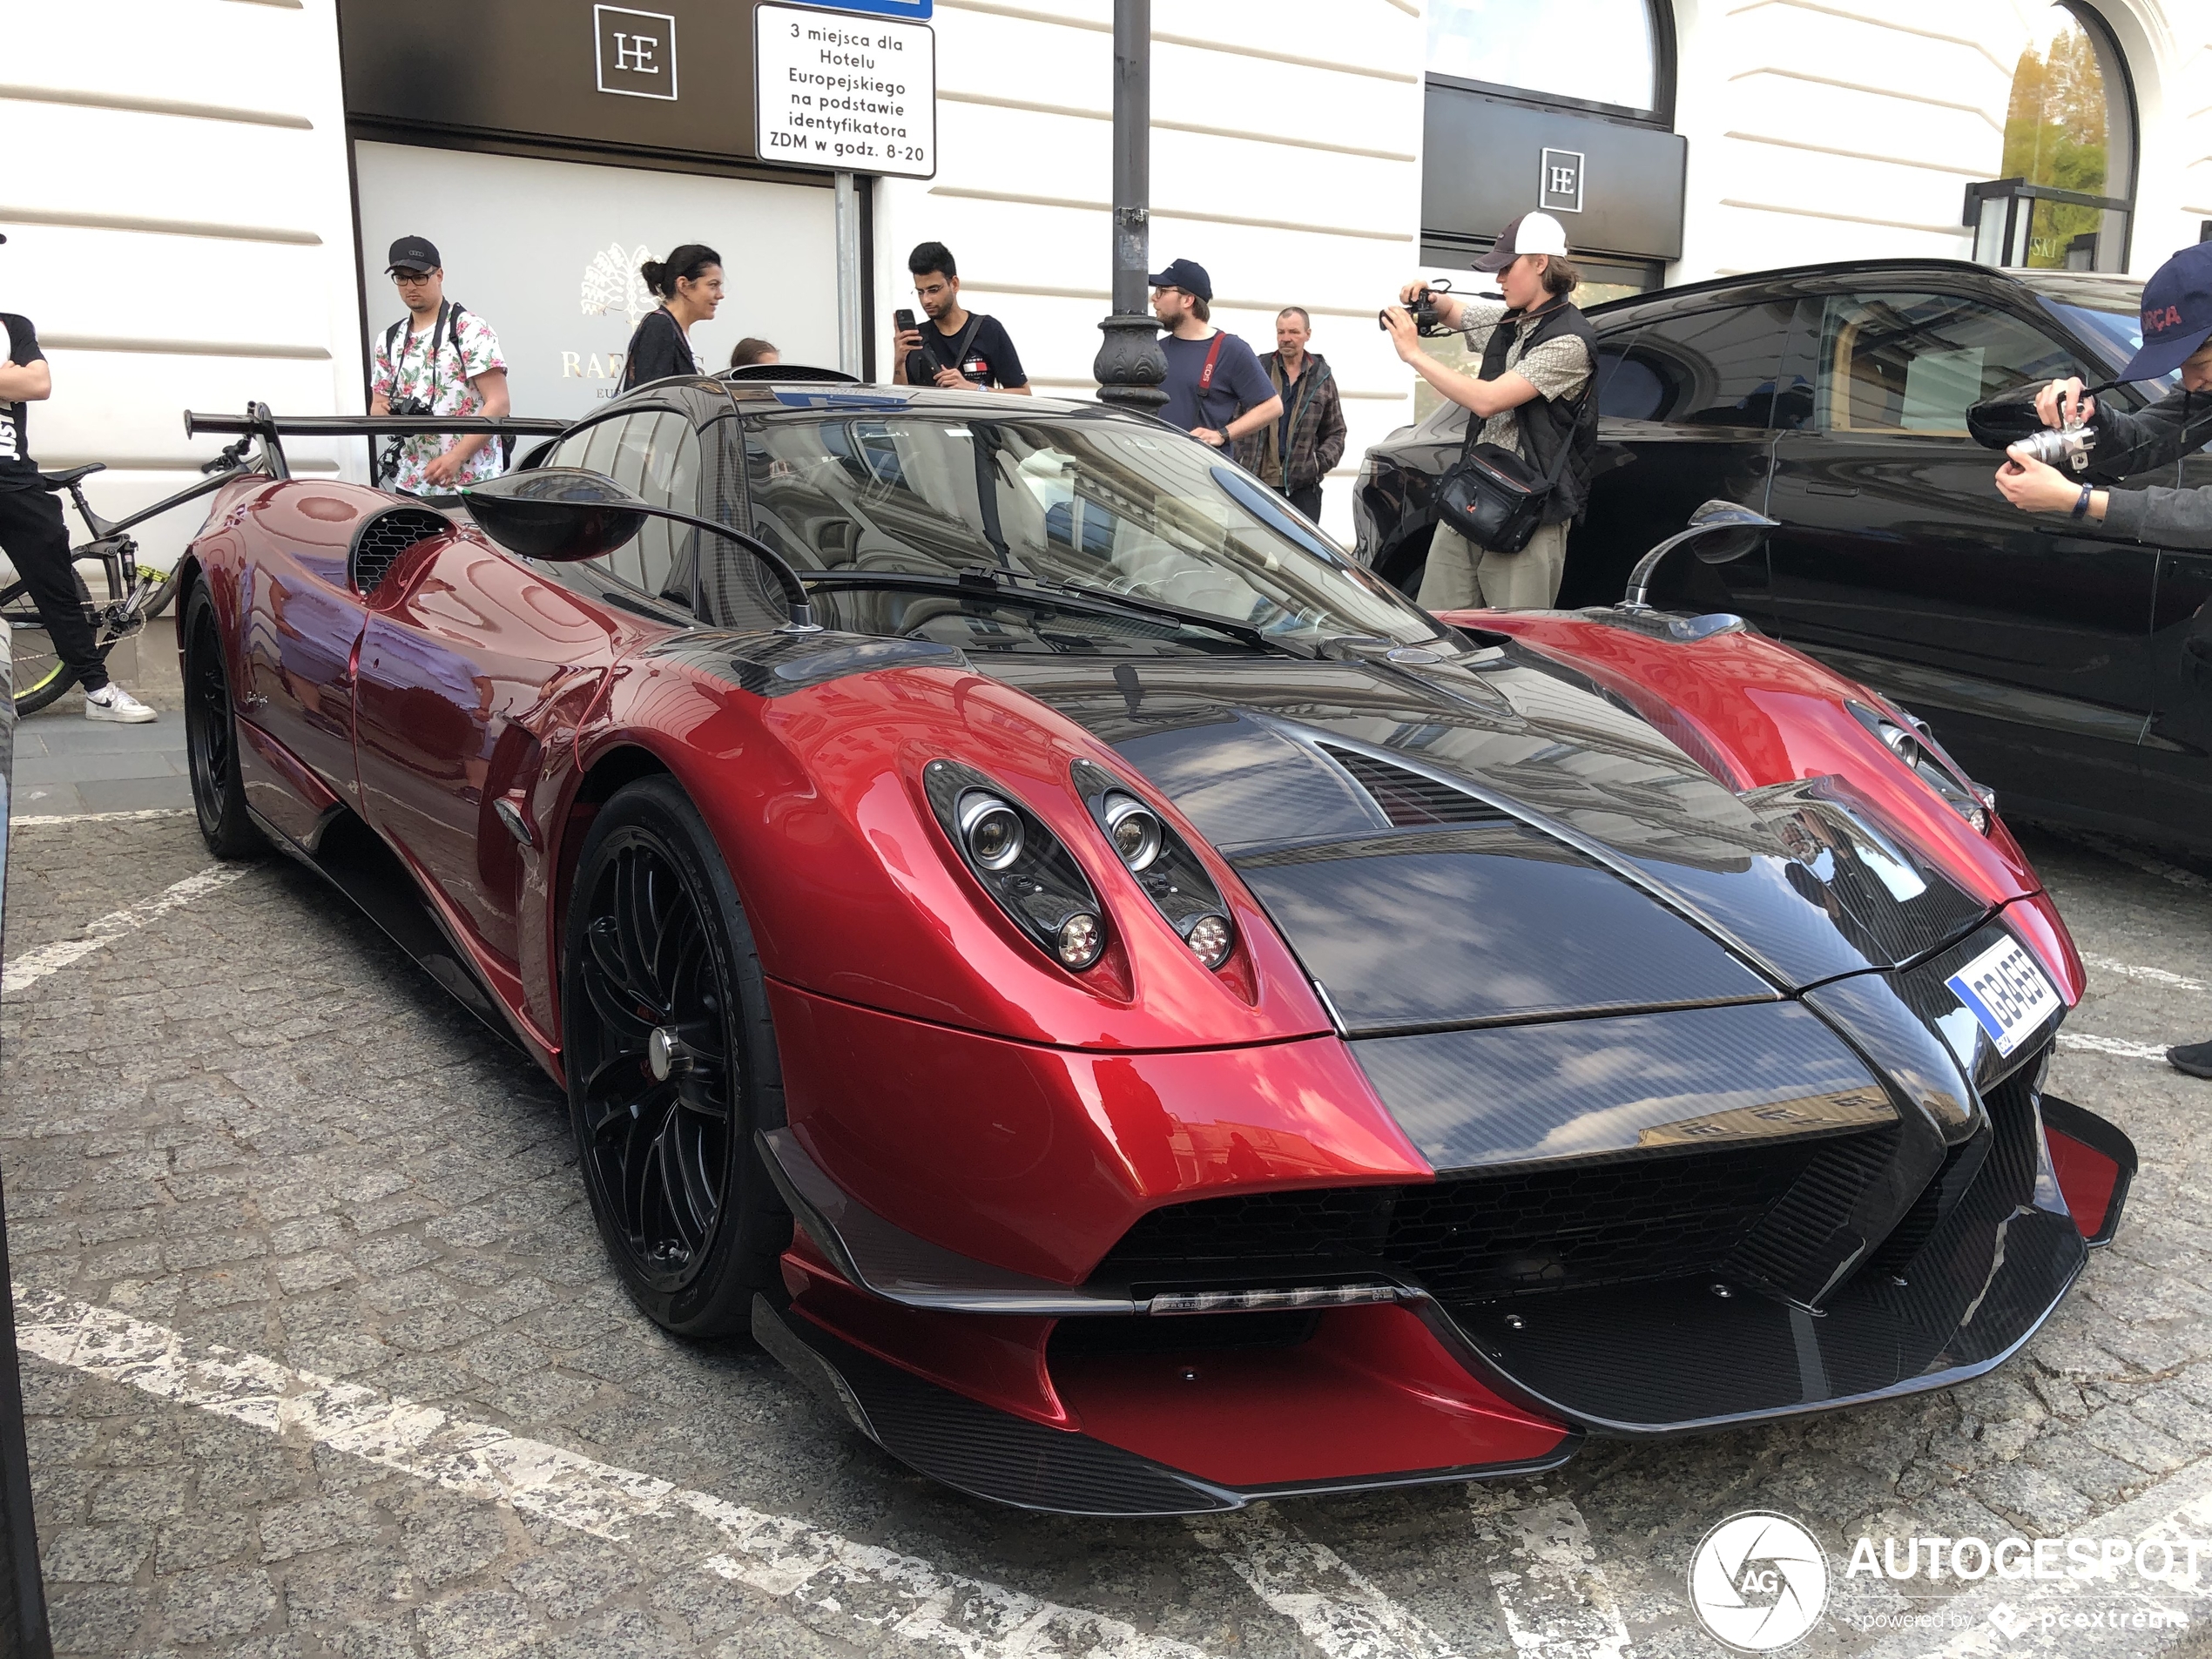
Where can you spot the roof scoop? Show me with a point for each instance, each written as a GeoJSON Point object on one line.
{"type": "Point", "coordinates": [1722, 532]}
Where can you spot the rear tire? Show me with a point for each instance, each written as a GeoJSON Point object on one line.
{"type": "Point", "coordinates": [657, 946]}
{"type": "Point", "coordinates": [211, 737]}
{"type": "Point", "coordinates": [40, 675]}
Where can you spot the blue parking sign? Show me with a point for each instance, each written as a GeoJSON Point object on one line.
{"type": "Point", "coordinates": [911, 11]}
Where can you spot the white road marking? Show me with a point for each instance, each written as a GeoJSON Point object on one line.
{"type": "Point", "coordinates": [2004, 1617]}
{"type": "Point", "coordinates": [32, 965]}
{"type": "Point", "coordinates": [776, 1555]}
{"type": "Point", "coordinates": [1349, 1619]}
{"type": "Point", "coordinates": [40, 819]}
{"type": "Point", "coordinates": [2152, 975]}
{"type": "Point", "coordinates": [2116, 1046]}
{"type": "Point", "coordinates": [1556, 1602]}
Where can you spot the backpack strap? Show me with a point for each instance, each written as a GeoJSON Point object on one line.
{"type": "Point", "coordinates": [1213, 360]}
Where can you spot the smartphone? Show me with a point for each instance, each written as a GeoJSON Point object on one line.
{"type": "Point", "coordinates": [903, 321]}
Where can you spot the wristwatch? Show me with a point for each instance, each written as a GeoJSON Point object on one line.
{"type": "Point", "coordinates": [2081, 504]}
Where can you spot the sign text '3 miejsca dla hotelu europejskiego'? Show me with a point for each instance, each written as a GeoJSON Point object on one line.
{"type": "Point", "coordinates": [855, 94]}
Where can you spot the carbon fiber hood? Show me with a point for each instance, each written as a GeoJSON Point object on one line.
{"type": "Point", "coordinates": [1500, 838]}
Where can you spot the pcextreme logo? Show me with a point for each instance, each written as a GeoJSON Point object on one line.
{"type": "Point", "coordinates": [1758, 1582]}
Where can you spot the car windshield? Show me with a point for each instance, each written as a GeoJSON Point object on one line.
{"type": "Point", "coordinates": [1101, 503]}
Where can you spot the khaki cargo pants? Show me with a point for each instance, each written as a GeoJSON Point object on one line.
{"type": "Point", "coordinates": [1461, 577]}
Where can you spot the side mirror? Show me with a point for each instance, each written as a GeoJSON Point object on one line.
{"type": "Point", "coordinates": [568, 513]}
{"type": "Point", "coordinates": [557, 513]}
{"type": "Point", "coordinates": [1721, 530]}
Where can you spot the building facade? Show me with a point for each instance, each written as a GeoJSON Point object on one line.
{"type": "Point", "coordinates": [213, 183]}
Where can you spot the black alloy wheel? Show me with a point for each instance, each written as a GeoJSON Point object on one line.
{"type": "Point", "coordinates": [672, 1064]}
{"type": "Point", "coordinates": [211, 737]}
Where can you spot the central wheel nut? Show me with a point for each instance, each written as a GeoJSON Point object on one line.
{"type": "Point", "coordinates": [665, 1052]}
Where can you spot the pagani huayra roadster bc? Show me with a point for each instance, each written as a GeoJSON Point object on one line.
{"type": "Point", "coordinates": [1136, 1014]}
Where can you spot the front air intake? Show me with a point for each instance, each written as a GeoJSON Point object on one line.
{"type": "Point", "coordinates": [378, 544]}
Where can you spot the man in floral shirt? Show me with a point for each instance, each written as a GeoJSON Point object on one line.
{"type": "Point", "coordinates": [440, 359]}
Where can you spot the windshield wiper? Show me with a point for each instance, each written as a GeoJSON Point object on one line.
{"type": "Point", "coordinates": [982, 583]}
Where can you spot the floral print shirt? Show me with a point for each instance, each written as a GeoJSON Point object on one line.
{"type": "Point", "coordinates": [402, 368]}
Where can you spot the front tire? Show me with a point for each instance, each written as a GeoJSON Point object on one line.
{"type": "Point", "coordinates": [211, 737]}
{"type": "Point", "coordinates": [671, 1057]}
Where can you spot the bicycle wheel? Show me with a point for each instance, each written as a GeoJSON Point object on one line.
{"type": "Point", "coordinates": [40, 674]}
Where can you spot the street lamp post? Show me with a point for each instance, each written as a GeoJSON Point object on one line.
{"type": "Point", "coordinates": [1130, 365]}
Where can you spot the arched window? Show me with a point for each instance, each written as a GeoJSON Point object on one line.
{"type": "Point", "coordinates": [1614, 55]}
{"type": "Point", "coordinates": [2070, 137]}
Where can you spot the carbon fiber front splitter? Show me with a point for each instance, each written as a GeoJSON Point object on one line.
{"type": "Point", "coordinates": [993, 1454]}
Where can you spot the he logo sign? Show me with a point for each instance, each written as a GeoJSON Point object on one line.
{"type": "Point", "coordinates": [636, 52]}
{"type": "Point", "coordinates": [1559, 182]}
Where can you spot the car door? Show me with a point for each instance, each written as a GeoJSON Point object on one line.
{"type": "Point", "coordinates": [467, 666]}
{"type": "Point", "coordinates": [2175, 803]}
{"type": "Point", "coordinates": [1685, 417]}
{"type": "Point", "coordinates": [2022, 638]}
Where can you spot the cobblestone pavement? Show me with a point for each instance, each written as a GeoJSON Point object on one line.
{"type": "Point", "coordinates": [252, 1123]}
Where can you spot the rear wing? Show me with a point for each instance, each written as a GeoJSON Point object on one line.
{"type": "Point", "coordinates": [260, 422]}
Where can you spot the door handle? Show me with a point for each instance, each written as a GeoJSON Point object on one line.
{"type": "Point", "coordinates": [1814, 487]}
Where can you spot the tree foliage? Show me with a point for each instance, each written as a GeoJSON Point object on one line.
{"type": "Point", "coordinates": [2055, 133]}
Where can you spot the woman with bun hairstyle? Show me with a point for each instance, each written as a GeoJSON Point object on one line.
{"type": "Point", "coordinates": [689, 282]}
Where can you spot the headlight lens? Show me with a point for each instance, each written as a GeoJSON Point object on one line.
{"type": "Point", "coordinates": [1917, 750]}
{"type": "Point", "coordinates": [1134, 828]}
{"type": "Point", "coordinates": [1163, 862]}
{"type": "Point", "coordinates": [1022, 865]}
{"type": "Point", "coordinates": [990, 829]}
{"type": "Point", "coordinates": [1209, 940]}
{"type": "Point", "coordinates": [1081, 940]}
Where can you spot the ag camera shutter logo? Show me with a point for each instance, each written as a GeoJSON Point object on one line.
{"type": "Point", "coordinates": [1758, 1582]}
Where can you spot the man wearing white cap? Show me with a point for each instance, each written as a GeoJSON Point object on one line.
{"type": "Point", "coordinates": [1536, 353]}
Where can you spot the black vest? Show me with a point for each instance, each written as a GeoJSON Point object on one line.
{"type": "Point", "coordinates": [1546, 423]}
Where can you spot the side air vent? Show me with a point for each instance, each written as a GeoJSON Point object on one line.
{"type": "Point", "coordinates": [1408, 799]}
{"type": "Point", "coordinates": [378, 545]}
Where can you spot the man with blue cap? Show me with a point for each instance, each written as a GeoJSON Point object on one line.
{"type": "Point", "coordinates": [2177, 334]}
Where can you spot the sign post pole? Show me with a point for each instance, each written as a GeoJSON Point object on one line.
{"type": "Point", "coordinates": [850, 352]}
{"type": "Point", "coordinates": [1130, 365]}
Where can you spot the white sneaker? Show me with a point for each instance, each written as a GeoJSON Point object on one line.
{"type": "Point", "coordinates": [111, 701]}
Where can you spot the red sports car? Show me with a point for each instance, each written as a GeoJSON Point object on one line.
{"type": "Point", "coordinates": [1218, 1030]}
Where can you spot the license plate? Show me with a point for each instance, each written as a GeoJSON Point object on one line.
{"type": "Point", "coordinates": [2005, 989]}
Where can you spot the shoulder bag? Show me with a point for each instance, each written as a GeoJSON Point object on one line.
{"type": "Point", "coordinates": [1493, 498]}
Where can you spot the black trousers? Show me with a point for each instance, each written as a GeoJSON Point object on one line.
{"type": "Point", "coordinates": [36, 543]}
{"type": "Point", "coordinates": [1307, 500]}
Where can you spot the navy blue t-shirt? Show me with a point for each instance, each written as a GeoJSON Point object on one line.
{"type": "Point", "coordinates": [1239, 383]}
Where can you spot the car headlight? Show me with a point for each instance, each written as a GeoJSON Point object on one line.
{"type": "Point", "coordinates": [1021, 863]}
{"type": "Point", "coordinates": [1918, 749]}
{"type": "Point", "coordinates": [1160, 860]}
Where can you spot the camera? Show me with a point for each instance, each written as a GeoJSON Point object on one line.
{"type": "Point", "coordinates": [1427, 321]}
{"type": "Point", "coordinates": [2067, 448]}
{"type": "Point", "coordinates": [411, 406]}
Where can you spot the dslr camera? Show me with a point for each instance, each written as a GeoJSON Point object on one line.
{"type": "Point", "coordinates": [1426, 321]}
{"type": "Point", "coordinates": [2067, 448]}
{"type": "Point", "coordinates": [411, 406]}
{"type": "Point", "coordinates": [2010, 420]}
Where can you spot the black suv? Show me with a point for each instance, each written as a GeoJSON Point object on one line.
{"type": "Point", "coordinates": [2066, 666]}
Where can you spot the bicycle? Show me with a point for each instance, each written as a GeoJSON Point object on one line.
{"type": "Point", "coordinates": [135, 591]}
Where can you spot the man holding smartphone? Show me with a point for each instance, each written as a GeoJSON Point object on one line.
{"type": "Point", "coordinates": [958, 349]}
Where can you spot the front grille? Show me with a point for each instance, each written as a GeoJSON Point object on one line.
{"type": "Point", "coordinates": [1408, 799]}
{"type": "Point", "coordinates": [378, 545]}
{"type": "Point", "coordinates": [1474, 1237]}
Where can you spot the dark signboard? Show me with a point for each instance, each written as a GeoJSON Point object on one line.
{"type": "Point", "coordinates": [671, 75]}
{"type": "Point", "coordinates": [1616, 185]}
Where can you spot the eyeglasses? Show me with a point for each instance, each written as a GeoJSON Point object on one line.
{"type": "Point", "coordinates": [408, 279]}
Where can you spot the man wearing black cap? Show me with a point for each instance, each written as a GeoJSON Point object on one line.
{"type": "Point", "coordinates": [2177, 334]}
{"type": "Point", "coordinates": [440, 359]}
{"type": "Point", "coordinates": [34, 539]}
{"type": "Point", "coordinates": [1217, 390]}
